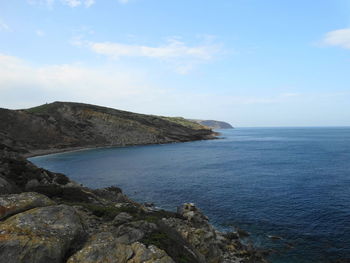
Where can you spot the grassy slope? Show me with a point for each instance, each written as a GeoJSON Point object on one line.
{"type": "Point", "coordinates": [185, 122]}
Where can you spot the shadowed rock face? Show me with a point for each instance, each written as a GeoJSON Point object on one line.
{"type": "Point", "coordinates": [62, 125]}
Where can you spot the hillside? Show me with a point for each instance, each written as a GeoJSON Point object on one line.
{"type": "Point", "coordinates": [66, 125]}
{"type": "Point", "coordinates": [185, 122]}
{"type": "Point", "coordinates": [211, 124]}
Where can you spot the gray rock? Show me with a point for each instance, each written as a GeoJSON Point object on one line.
{"type": "Point", "coordinates": [113, 194]}
{"type": "Point", "coordinates": [122, 218]}
{"type": "Point", "coordinates": [192, 214]}
{"type": "Point", "coordinates": [104, 247]}
{"type": "Point", "coordinates": [134, 231]}
{"type": "Point", "coordinates": [31, 184]}
{"type": "Point", "coordinates": [6, 187]}
{"type": "Point", "coordinates": [202, 239]}
{"type": "Point", "coordinates": [40, 235]}
{"type": "Point", "coordinates": [16, 203]}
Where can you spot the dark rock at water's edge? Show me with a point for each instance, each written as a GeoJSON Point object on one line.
{"type": "Point", "coordinates": [62, 126]}
{"type": "Point", "coordinates": [212, 124]}
{"type": "Point", "coordinates": [47, 218]}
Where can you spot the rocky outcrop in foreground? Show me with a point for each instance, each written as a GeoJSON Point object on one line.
{"type": "Point", "coordinates": [47, 218]}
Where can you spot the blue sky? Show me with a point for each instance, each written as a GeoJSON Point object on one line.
{"type": "Point", "coordinates": [249, 62]}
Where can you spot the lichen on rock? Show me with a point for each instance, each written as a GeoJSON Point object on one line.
{"type": "Point", "coordinates": [40, 235]}
{"type": "Point", "coordinates": [105, 248]}
{"type": "Point", "coordinates": [16, 203]}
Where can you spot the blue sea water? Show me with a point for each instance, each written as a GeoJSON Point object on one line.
{"type": "Point", "coordinates": [293, 183]}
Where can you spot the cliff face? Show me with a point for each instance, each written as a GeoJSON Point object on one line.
{"type": "Point", "coordinates": [211, 124]}
{"type": "Point", "coordinates": [62, 125]}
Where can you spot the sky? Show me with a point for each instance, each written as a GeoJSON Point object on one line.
{"type": "Point", "coordinates": [248, 62]}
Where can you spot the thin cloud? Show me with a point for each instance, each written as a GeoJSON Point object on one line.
{"type": "Point", "coordinates": [70, 3]}
{"type": "Point", "coordinates": [173, 49]}
{"type": "Point", "coordinates": [39, 33]}
{"type": "Point", "coordinates": [24, 84]}
{"type": "Point", "coordinates": [339, 38]}
{"type": "Point", "coordinates": [181, 56]}
{"type": "Point", "coordinates": [4, 27]}
{"type": "Point", "coordinates": [89, 3]}
{"type": "Point", "coordinates": [48, 3]}
{"type": "Point", "coordinates": [76, 3]}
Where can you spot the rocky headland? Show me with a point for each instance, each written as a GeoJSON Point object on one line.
{"type": "Point", "coordinates": [62, 126]}
{"type": "Point", "coordinates": [47, 218]}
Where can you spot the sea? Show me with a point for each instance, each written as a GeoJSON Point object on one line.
{"type": "Point", "coordinates": [289, 188]}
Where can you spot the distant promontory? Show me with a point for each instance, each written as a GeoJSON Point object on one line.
{"type": "Point", "coordinates": [212, 124]}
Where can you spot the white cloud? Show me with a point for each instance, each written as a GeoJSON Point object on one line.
{"type": "Point", "coordinates": [173, 49]}
{"type": "Point", "coordinates": [76, 3]}
{"type": "Point", "coordinates": [24, 85]}
{"type": "Point", "coordinates": [4, 27]}
{"type": "Point", "coordinates": [48, 3]}
{"type": "Point", "coordinates": [89, 3]}
{"type": "Point", "coordinates": [340, 38]}
{"type": "Point", "coordinates": [70, 3]}
{"type": "Point", "coordinates": [180, 55]}
{"type": "Point", "coordinates": [39, 33]}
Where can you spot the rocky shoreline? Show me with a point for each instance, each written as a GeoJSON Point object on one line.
{"type": "Point", "coordinates": [46, 217]}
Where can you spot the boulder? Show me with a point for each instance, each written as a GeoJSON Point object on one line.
{"type": "Point", "coordinates": [122, 218]}
{"type": "Point", "coordinates": [16, 203]}
{"type": "Point", "coordinates": [41, 235]}
{"type": "Point", "coordinates": [104, 247]}
{"type": "Point", "coordinates": [204, 239]}
{"type": "Point", "coordinates": [31, 184]}
{"type": "Point", "coordinates": [131, 232]}
{"type": "Point", "coordinates": [192, 214]}
{"type": "Point", "coordinates": [6, 187]}
{"type": "Point", "coordinates": [111, 194]}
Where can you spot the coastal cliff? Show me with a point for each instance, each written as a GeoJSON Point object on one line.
{"type": "Point", "coordinates": [47, 218]}
{"type": "Point", "coordinates": [65, 125]}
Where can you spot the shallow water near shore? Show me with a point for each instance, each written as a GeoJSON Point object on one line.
{"type": "Point", "coordinates": [288, 183]}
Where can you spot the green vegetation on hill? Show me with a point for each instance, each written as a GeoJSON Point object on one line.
{"type": "Point", "coordinates": [40, 109]}
{"type": "Point", "coordinates": [185, 122]}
